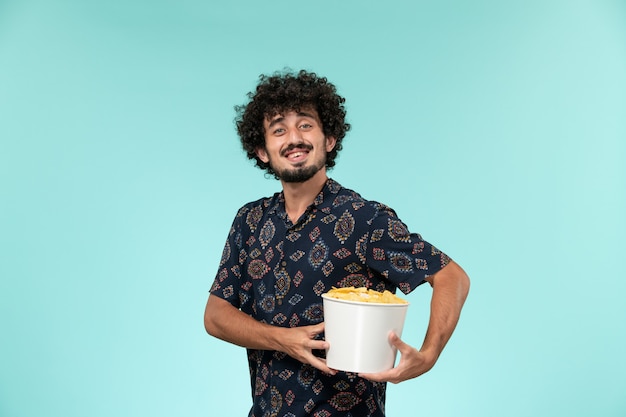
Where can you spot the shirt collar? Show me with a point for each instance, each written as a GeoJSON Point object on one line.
{"type": "Point", "coordinates": [322, 201]}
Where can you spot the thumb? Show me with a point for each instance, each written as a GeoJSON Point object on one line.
{"type": "Point", "coordinates": [395, 340]}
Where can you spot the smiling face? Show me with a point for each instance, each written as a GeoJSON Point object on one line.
{"type": "Point", "coordinates": [295, 145]}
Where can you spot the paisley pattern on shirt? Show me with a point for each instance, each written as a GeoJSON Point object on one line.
{"type": "Point", "coordinates": [276, 271]}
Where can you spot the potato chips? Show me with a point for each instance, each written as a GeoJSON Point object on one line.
{"type": "Point", "coordinates": [365, 295]}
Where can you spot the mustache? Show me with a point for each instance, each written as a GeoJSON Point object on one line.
{"type": "Point", "coordinates": [296, 146]}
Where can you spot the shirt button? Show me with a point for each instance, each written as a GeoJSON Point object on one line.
{"type": "Point", "coordinates": [283, 263]}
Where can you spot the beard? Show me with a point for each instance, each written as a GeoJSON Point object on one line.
{"type": "Point", "coordinates": [299, 174]}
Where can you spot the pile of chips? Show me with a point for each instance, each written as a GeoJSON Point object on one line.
{"type": "Point", "coordinates": [365, 295]}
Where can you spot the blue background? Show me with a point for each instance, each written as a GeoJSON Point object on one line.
{"type": "Point", "coordinates": [496, 129]}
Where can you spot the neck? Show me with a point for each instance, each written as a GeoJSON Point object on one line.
{"type": "Point", "coordinates": [300, 195]}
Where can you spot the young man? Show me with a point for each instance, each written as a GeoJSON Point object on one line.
{"type": "Point", "coordinates": [283, 252]}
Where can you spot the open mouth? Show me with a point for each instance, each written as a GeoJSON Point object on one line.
{"type": "Point", "coordinates": [296, 154]}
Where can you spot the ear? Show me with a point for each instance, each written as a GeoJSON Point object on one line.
{"type": "Point", "coordinates": [262, 154]}
{"type": "Point", "coordinates": [330, 143]}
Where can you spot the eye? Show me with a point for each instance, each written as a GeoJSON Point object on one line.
{"type": "Point", "coordinates": [278, 131]}
{"type": "Point", "coordinates": [306, 126]}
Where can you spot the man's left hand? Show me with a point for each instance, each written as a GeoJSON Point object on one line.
{"type": "Point", "coordinates": [413, 363]}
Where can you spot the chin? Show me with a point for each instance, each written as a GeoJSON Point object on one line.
{"type": "Point", "coordinates": [298, 175]}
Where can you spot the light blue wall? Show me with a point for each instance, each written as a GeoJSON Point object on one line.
{"type": "Point", "coordinates": [496, 129]}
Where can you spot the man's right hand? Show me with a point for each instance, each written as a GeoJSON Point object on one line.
{"type": "Point", "coordinates": [226, 322]}
{"type": "Point", "coordinates": [299, 343]}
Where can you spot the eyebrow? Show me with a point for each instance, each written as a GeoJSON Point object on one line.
{"type": "Point", "coordinates": [300, 114]}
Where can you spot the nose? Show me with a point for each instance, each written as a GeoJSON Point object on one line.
{"type": "Point", "coordinates": [295, 136]}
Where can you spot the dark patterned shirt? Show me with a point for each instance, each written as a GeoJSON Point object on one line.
{"type": "Point", "coordinates": [276, 271]}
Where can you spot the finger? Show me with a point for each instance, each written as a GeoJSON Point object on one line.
{"type": "Point", "coordinates": [384, 376]}
{"type": "Point", "coordinates": [320, 364]}
{"type": "Point", "coordinates": [317, 328]}
{"type": "Point", "coordinates": [318, 344]}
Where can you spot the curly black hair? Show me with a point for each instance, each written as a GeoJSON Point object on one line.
{"type": "Point", "coordinates": [284, 92]}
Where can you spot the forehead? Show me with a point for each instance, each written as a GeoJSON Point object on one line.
{"type": "Point", "coordinates": [281, 114]}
